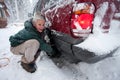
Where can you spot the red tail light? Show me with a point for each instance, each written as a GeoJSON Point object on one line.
{"type": "Point", "coordinates": [82, 24]}
{"type": "Point", "coordinates": [85, 20]}
{"type": "Point", "coordinates": [82, 17]}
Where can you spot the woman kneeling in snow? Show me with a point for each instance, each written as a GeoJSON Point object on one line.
{"type": "Point", "coordinates": [30, 41]}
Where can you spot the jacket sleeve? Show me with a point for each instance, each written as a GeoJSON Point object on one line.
{"type": "Point", "coordinates": [19, 38]}
{"type": "Point", "coordinates": [14, 41]}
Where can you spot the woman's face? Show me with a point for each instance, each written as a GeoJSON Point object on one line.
{"type": "Point", "coordinates": [39, 24]}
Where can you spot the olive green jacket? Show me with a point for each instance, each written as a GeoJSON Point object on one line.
{"type": "Point", "coordinates": [29, 32]}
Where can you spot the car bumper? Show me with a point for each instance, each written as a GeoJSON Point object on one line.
{"type": "Point", "coordinates": [65, 45]}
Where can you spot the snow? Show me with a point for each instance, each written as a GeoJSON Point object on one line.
{"type": "Point", "coordinates": [107, 69]}
{"type": "Point", "coordinates": [117, 15]}
{"type": "Point", "coordinates": [46, 69]}
{"type": "Point", "coordinates": [100, 14]}
{"type": "Point", "coordinates": [31, 1]}
{"type": "Point", "coordinates": [100, 43]}
{"type": "Point", "coordinates": [81, 6]}
{"type": "Point", "coordinates": [56, 5]}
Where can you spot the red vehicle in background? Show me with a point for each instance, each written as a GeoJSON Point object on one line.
{"type": "Point", "coordinates": [3, 14]}
{"type": "Point", "coordinates": [71, 22]}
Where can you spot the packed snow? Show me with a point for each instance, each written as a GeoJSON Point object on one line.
{"type": "Point", "coordinates": [107, 69]}
{"type": "Point", "coordinates": [100, 43]}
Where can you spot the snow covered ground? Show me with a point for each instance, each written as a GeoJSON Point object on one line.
{"type": "Point", "coordinates": [107, 69]}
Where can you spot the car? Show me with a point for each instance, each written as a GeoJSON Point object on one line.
{"type": "Point", "coordinates": [3, 18]}
{"type": "Point", "coordinates": [71, 22]}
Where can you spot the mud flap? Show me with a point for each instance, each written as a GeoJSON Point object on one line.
{"type": "Point", "coordinates": [90, 57]}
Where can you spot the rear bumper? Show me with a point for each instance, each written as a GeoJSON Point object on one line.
{"type": "Point", "coordinates": [89, 57]}
{"type": "Point", "coordinates": [73, 54]}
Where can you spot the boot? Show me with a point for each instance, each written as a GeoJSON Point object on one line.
{"type": "Point", "coordinates": [31, 67]}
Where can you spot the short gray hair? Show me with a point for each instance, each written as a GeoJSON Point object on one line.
{"type": "Point", "coordinates": [38, 15]}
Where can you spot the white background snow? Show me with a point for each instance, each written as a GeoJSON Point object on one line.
{"type": "Point", "coordinates": [107, 69]}
{"type": "Point", "coordinates": [101, 43]}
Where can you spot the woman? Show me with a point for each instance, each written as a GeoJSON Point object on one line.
{"type": "Point", "coordinates": [29, 41]}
